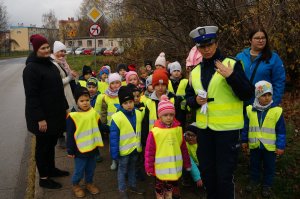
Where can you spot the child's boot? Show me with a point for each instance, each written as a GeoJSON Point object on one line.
{"type": "Point", "coordinates": [168, 195]}
{"type": "Point", "coordinates": [78, 191]}
{"type": "Point", "coordinates": [113, 165]}
{"type": "Point", "coordinates": [92, 188]}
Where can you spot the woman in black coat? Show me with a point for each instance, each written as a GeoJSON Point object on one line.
{"type": "Point", "coordinates": [45, 109]}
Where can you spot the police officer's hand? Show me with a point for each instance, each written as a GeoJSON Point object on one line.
{"type": "Point", "coordinates": [279, 152]}
{"type": "Point", "coordinates": [223, 70]}
{"type": "Point", "coordinates": [42, 126]}
{"type": "Point", "coordinates": [201, 100]}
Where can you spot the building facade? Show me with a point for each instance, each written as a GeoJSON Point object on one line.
{"type": "Point", "coordinates": [89, 42]}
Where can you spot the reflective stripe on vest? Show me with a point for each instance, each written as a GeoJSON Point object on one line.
{"type": "Point", "coordinates": [153, 111]}
{"type": "Point", "coordinates": [225, 112]}
{"type": "Point", "coordinates": [129, 140]}
{"type": "Point", "coordinates": [87, 135]}
{"type": "Point", "coordinates": [265, 134]}
{"type": "Point", "coordinates": [102, 86]}
{"type": "Point", "coordinates": [82, 83]}
{"type": "Point", "coordinates": [168, 158]}
{"type": "Point", "coordinates": [111, 108]}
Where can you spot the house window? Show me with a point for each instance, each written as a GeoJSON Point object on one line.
{"type": "Point", "coordinates": [70, 43]}
{"type": "Point", "coordinates": [111, 42]}
{"type": "Point", "coordinates": [100, 43]}
{"type": "Point", "coordinates": [89, 43]}
{"type": "Point", "coordinates": [79, 43]}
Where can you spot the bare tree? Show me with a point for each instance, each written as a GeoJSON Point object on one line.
{"type": "Point", "coordinates": [49, 20]}
{"type": "Point", "coordinates": [3, 17]}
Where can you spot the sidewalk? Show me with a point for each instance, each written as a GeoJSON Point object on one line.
{"type": "Point", "coordinates": [104, 178]}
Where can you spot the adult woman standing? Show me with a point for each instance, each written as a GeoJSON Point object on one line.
{"type": "Point", "coordinates": [45, 109]}
{"type": "Point", "coordinates": [260, 63]}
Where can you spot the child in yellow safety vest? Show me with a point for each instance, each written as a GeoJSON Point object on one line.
{"type": "Point", "coordinates": [86, 74]}
{"type": "Point", "coordinates": [265, 134]}
{"type": "Point", "coordinates": [106, 104]}
{"type": "Point", "coordinates": [166, 151]}
{"type": "Point", "coordinates": [83, 140]}
{"type": "Point", "coordinates": [103, 82]}
{"type": "Point", "coordinates": [125, 141]}
{"type": "Point", "coordinates": [191, 143]}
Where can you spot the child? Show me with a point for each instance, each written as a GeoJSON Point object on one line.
{"type": "Point", "coordinates": [86, 74]}
{"type": "Point", "coordinates": [133, 78]}
{"type": "Point", "coordinates": [264, 133]}
{"type": "Point", "coordinates": [106, 104]}
{"type": "Point", "coordinates": [121, 69]}
{"type": "Point", "coordinates": [137, 96]}
{"type": "Point", "coordinates": [103, 75]}
{"type": "Point", "coordinates": [191, 143]}
{"type": "Point", "coordinates": [160, 61]}
{"type": "Point", "coordinates": [143, 75]}
{"type": "Point", "coordinates": [83, 139]}
{"type": "Point", "coordinates": [149, 90]}
{"type": "Point", "coordinates": [177, 85]}
{"type": "Point", "coordinates": [125, 140]}
{"type": "Point", "coordinates": [148, 66]}
{"type": "Point", "coordinates": [160, 82]}
{"type": "Point", "coordinates": [166, 152]}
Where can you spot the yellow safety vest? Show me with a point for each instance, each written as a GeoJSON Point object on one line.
{"type": "Point", "coordinates": [192, 149]}
{"type": "Point", "coordinates": [102, 86]}
{"type": "Point", "coordinates": [180, 91]}
{"type": "Point", "coordinates": [168, 158]}
{"type": "Point", "coordinates": [266, 133]}
{"type": "Point", "coordinates": [144, 99]}
{"type": "Point", "coordinates": [111, 108]}
{"type": "Point", "coordinates": [129, 139]}
{"type": "Point", "coordinates": [153, 111]}
{"type": "Point", "coordinates": [226, 111]}
{"type": "Point", "coordinates": [123, 83]}
{"type": "Point", "coordinates": [87, 135]}
{"type": "Point", "coordinates": [82, 83]}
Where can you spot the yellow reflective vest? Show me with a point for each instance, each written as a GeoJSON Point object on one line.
{"type": "Point", "coordinates": [153, 111]}
{"type": "Point", "coordinates": [168, 158]}
{"type": "Point", "coordinates": [225, 112]}
{"type": "Point", "coordinates": [102, 86]}
{"type": "Point", "coordinates": [192, 149]}
{"type": "Point", "coordinates": [129, 139]}
{"type": "Point", "coordinates": [82, 83]}
{"type": "Point", "coordinates": [265, 134]}
{"type": "Point", "coordinates": [180, 91]}
{"type": "Point", "coordinates": [87, 135]}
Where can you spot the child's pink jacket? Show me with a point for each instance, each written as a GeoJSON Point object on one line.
{"type": "Point", "coordinates": [151, 149]}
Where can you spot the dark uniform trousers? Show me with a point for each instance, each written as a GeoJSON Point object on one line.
{"type": "Point", "coordinates": [45, 153]}
{"type": "Point", "coordinates": [217, 154]}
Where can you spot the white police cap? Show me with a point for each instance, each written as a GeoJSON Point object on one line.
{"type": "Point", "coordinates": [203, 35]}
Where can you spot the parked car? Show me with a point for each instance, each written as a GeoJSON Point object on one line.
{"type": "Point", "coordinates": [69, 51]}
{"type": "Point", "coordinates": [110, 51]}
{"type": "Point", "coordinates": [119, 51]}
{"type": "Point", "coordinates": [79, 51]}
{"type": "Point", "coordinates": [97, 52]}
{"type": "Point", "coordinates": [102, 51]}
{"type": "Point", "coordinates": [87, 51]}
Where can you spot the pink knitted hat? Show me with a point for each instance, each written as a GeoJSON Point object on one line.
{"type": "Point", "coordinates": [165, 106]}
{"type": "Point", "coordinates": [128, 74]}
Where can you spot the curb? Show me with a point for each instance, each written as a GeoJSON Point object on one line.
{"type": "Point", "coordinates": [30, 189]}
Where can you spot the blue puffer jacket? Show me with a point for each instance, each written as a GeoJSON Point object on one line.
{"type": "Point", "coordinates": [114, 137]}
{"type": "Point", "coordinates": [272, 71]}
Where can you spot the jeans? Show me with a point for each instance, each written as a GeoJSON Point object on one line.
{"type": "Point", "coordinates": [268, 158]}
{"type": "Point", "coordinates": [127, 164]}
{"type": "Point", "coordinates": [84, 166]}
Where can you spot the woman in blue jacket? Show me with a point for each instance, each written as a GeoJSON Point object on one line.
{"type": "Point", "coordinates": [260, 63]}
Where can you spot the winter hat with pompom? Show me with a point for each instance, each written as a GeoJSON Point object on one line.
{"type": "Point", "coordinates": [160, 76]}
{"type": "Point", "coordinates": [165, 106]}
{"type": "Point", "coordinates": [161, 60]}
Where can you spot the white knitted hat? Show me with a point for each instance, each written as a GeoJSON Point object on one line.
{"type": "Point", "coordinates": [114, 77]}
{"type": "Point", "coordinates": [161, 60]}
{"type": "Point", "coordinates": [58, 46]}
{"type": "Point", "coordinates": [174, 66]}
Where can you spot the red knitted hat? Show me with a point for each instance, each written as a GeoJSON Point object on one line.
{"type": "Point", "coordinates": [165, 106]}
{"type": "Point", "coordinates": [37, 41]}
{"type": "Point", "coordinates": [160, 76]}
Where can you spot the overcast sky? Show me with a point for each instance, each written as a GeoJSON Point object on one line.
{"type": "Point", "coordinates": [31, 11]}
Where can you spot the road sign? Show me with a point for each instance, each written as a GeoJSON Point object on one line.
{"type": "Point", "coordinates": [72, 33]}
{"type": "Point", "coordinates": [95, 30]}
{"type": "Point", "coordinates": [94, 14]}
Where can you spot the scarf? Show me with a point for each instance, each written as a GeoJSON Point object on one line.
{"type": "Point", "coordinates": [112, 93]}
{"type": "Point", "coordinates": [259, 107]}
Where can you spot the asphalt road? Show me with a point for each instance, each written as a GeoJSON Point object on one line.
{"type": "Point", "coordinates": [14, 141]}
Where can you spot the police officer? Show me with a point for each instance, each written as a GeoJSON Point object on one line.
{"type": "Point", "coordinates": [218, 87]}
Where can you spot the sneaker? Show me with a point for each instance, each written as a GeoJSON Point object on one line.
{"type": "Point", "coordinates": [266, 191]}
{"type": "Point", "coordinates": [113, 165]}
{"type": "Point", "coordinates": [49, 184]}
{"type": "Point", "coordinates": [123, 195]}
{"type": "Point", "coordinates": [78, 191]}
{"type": "Point", "coordinates": [136, 190]}
{"type": "Point", "coordinates": [252, 186]}
{"type": "Point", "coordinates": [58, 173]}
{"type": "Point", "coordinates": [92, 188]}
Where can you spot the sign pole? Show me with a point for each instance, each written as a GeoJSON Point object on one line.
{"type": "Point", "coordinates": [95, 54]}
